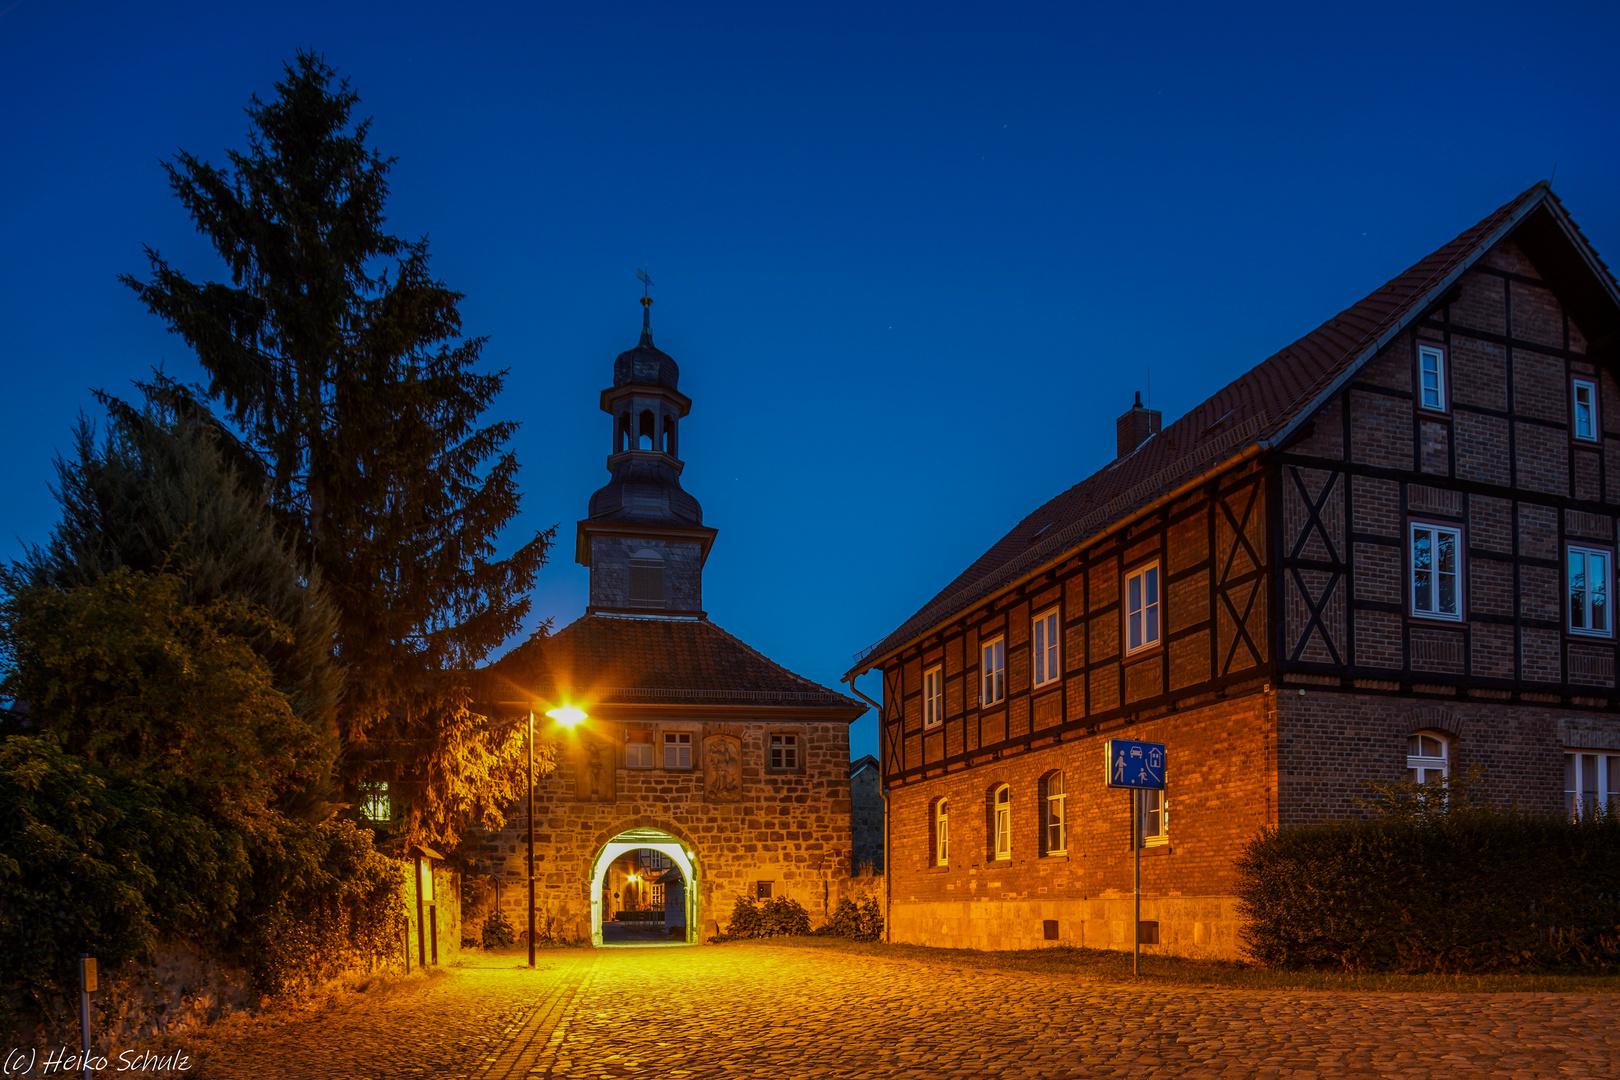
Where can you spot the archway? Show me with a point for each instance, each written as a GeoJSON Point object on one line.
{"type": "Point", "coordinates": [655, 840]}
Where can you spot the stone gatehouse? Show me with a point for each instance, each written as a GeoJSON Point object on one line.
{"type": "Point", "coordinates": [696, 746]}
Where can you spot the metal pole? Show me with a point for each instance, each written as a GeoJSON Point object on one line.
{"type": "Point", "coordinates": [1136, 842]}
{"type": "Point", "coordinates": [84, 1010]}
{"type": "Point", "coordinates": [531, 838]}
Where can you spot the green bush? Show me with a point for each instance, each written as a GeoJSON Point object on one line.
{"type": "Point", "coordinates": [775, 917]}
{"type": "Point", "coordinates": [498, 932]}
{"type": "Point", "coordinates": [858, 922]}
{"type": "Point", "coordinates": [1427, 888]}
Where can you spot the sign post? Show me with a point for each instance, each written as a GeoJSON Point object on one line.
{"type": "Point", "coordinates": [88, 984]}
{"type": "Point", "coordinates": [1136, 766]}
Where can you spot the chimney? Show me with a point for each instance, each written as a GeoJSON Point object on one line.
{"type": "Point", "coordinates": [1135, 426]}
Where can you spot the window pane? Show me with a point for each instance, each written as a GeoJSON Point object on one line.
{"type": "Point", "coordinates": [1135, 589]}
{"type": "Point", "coordinates": [1135, 632]}
{"type": "Point", "coordinates": [1577, 589]}
{"type": "Point", "coordinates": [1422, 573]}
{"type": "Point", "coordinates": [1152, 631]}
{"type": "Point", "coordinates": [1598, 589]}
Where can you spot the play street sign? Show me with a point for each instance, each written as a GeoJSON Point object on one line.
{"type": "Point", "coordinates": [1133, 764]}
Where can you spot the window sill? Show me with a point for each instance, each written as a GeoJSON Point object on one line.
{"type": "Point", "coordinates": [1436, 620]}
{"type": "Point", "coordinates": [1144, 651]}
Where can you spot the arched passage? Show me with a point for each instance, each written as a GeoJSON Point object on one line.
{"type": "Point", "coordinates": [656, 840]}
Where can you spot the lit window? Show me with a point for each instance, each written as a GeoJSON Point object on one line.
{"type": "Point", "coordinates": [1003, 822]}
{"type": "Point", "coordinates": [656, 899]}
{"type": "Point", "coordinates": [677, 750]}
{"type": "Point", "coordinates": [375, 805]}
{"type": "Point", "coordinates": [1044, 637]}
{"type": "Point", "coordinates": [942, 833]}
{"type": "Point", "coordinates": [1155, 823]}
{"type": "Point", "coordinates": [1057, 829]}
{"type": "Point", "coordinates": [1589, 592]}
{"type": "Point", "coordinates": [638, 749]}
{"type": "Point", "coordinates": [933, 696]}
{"type": "Point", "coordinates": [1586, 410]}
{"type": "Point", "coordinates": [995, 671]}
{"type": "Point", "coordinates": [1142, 608]}
{"type": "Point", "coordinates": [1431, 378]}
{"type": "Point", "coordinates": [1428, 758]}
{"type": "Point", "coordinates": [1436, 571]}
{"type": "Point", "coordinates": [1590, 781]}
{"type": "Point", "coordinates": [784, 751]}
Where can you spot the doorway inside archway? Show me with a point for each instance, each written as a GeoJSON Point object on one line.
{"type": "Point", "coordinates": [644, 891]}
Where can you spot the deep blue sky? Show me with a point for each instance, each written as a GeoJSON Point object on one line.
{"type": "Point", "coordinates": [912, 259]}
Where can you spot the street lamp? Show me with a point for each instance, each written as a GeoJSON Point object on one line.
{"type": "Point", "coordinates": [567, 716]}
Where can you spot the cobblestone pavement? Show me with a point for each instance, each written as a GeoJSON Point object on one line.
{"type": "Point", "coordinates": [786, 1013]}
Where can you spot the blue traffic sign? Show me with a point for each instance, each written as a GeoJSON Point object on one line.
{"type": "Point", "coordinates": [1133, 764]}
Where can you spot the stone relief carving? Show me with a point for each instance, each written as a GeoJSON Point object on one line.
{"type": "Point", "coordinates": [595, 770]}
{"type": "Point", "coordinates": [722, 768]}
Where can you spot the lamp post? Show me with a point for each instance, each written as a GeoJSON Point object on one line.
{"type": "Point", "coordinates": [567, 716]}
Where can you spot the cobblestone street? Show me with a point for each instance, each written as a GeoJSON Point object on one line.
{"type": "Point", "coordinates": [781, 1013]}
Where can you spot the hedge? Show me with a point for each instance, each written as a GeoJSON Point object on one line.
{"type": "Point", "coordinates": [1471, 890]}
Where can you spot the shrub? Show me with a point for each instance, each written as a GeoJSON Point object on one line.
{"type": "Point", "coordinates": [858, 922]}
{"type": "Point", "coordinates": [1425, 888]}
{"type": "Point", "coordinates": [775, 917]}
{"type": "Point", "coordinates": [498, 932]}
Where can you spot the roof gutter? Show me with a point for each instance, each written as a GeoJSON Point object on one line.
{"type": "Point", "coordinates": [1252, 450]}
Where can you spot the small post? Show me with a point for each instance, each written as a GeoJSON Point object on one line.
{"type": "Point", "coordinates": [531, 838]}
{"type": "Point", "coordinates": [87, 986]}
{"type": "Point", "coordinates": [1136, 844]}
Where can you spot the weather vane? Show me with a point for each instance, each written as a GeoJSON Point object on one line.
{"type": "Point", "coordinates": [646, 302]}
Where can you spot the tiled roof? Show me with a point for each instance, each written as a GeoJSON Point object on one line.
{"type": "Point", "coordinates": [624, 660]}
{"type": "Point", "coordinates": [1260, 407]}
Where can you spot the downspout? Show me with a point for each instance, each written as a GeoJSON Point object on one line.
{"type": "Point", "coordinates": [883, 792]}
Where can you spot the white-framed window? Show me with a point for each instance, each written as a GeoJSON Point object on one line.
{"type": "Point", "coordinates": [1142, 623]}
{"type": "Point", "coordinates": [1002, 822]}
{"type": "Point", "coordinates": [1436, 563]}
{"type": "Point", "coordinates": [1432, 378]}
{"type": "Point", "coordinates": [677, 749]}
{"type": "Point", "coordinates": [784, 752]}
{"type": "Point", "coordinates": [1428, 757]}
{"type": "Point", "coordinates": [1057, 819]}
{"type": "Point", "coordinates": [933, 696]}
{"type": "Point", "coordinates": [638, 749]}
{"type": "Point", "coordinates": [1155, 824]}
{"type": "Point", "coordinates": [655, 898]}
{"type": "Point", "coordinates": [375, 804]}
{"type": "Point", "coordinates": [993, 657]}
{"type": "Point", "coordinates": [1584, 404]}
{"type": "Point", "coordinates": [1044, 644]}
{"type": "Point", "coordinates": [1591, 780]}
{"type": "Point", "coordinates": [942, 832]}
{"type": "Point", "coordinates": [1589, 583]}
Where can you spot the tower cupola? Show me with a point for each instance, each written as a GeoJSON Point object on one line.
{"type": "Point", "coordinates": [643, 536]}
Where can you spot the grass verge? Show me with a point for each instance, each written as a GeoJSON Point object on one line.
{"type": "Point", "coordinates": [1168, 971]}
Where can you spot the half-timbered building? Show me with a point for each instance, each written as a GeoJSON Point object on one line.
{"type": "Point", "coordinates": [1385, 552]}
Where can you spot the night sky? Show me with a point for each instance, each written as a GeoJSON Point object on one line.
{"type": "Point", "coordinates": [913, 260]}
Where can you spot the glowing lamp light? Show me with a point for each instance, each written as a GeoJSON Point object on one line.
{"type": "Point", "coordinates": [567, 715]}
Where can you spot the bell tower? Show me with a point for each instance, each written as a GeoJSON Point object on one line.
{"type": "Point", "coordinates": [643, 536]}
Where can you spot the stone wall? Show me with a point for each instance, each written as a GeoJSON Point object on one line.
{"type": "Point", "coordinates": [790, 828]}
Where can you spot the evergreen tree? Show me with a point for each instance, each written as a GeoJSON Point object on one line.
{"type": "Point", "coordinates": [157, 496]}
{"type": "Point", "coordinates": [340, 360]}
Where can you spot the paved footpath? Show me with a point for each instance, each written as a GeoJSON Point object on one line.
{"type": "Point", "coordinates": [785, 1013]}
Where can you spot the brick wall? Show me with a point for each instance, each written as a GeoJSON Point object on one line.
{"type": "Point", "coordinates": [1220, 786]}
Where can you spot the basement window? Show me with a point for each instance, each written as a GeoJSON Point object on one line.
{"type": "Point", "coordinates": [1591, 782]}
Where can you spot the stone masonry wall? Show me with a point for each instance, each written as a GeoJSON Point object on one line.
{"type": "Point", "coordinates": [1220, 787]}
{"type": "Point", "coordinates": [788, 828]}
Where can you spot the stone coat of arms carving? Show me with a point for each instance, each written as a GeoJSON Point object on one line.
{"type": "Point", "coordinates": [722, 768]}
